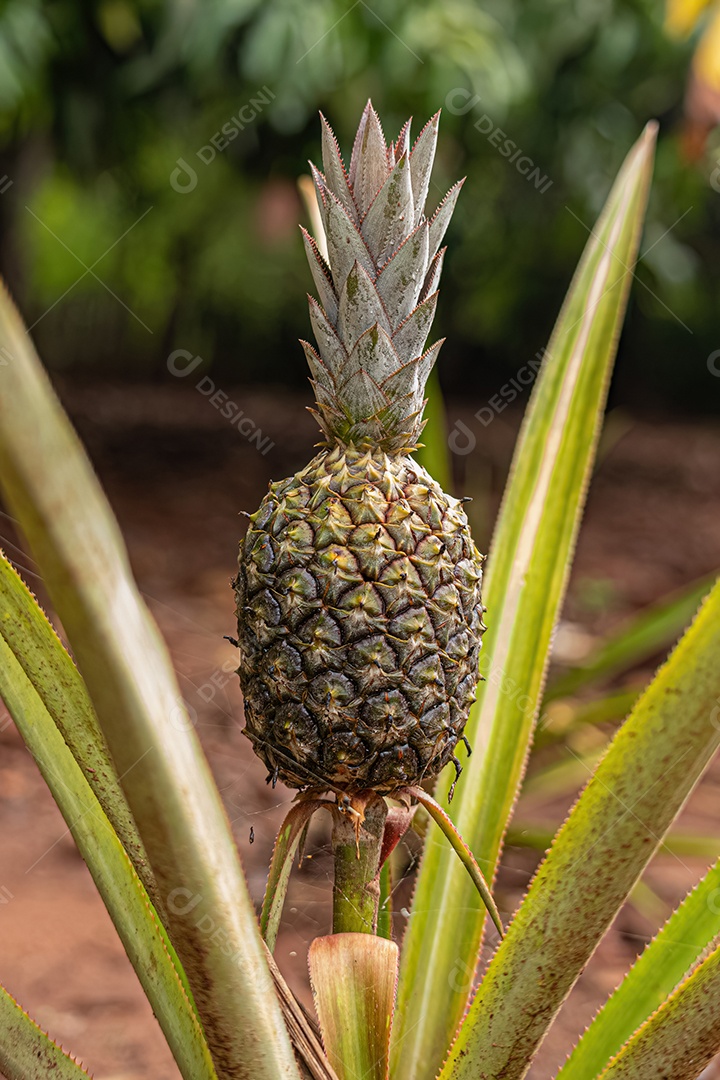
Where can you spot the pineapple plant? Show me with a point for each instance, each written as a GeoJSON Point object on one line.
{"type": "Point", "coordinates": [136, 792]}
{"type": "Point", "coordinates": [359, 587]}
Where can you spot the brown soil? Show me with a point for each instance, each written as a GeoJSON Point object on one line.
{"type": "Point", "coordinates": [177, 474]}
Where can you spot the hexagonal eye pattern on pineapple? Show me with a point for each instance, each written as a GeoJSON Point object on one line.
{"type": "Point", "coordinates": [359, 586]}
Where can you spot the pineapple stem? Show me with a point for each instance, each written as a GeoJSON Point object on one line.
{"type": "Point", "coordinates": [357, 837]}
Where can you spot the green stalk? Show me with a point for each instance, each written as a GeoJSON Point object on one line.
{"type": "Point", "coordinates": [356, 849]}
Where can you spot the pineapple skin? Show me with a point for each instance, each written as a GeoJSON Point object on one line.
{"type": "Point", "coordinates": [359, 624]}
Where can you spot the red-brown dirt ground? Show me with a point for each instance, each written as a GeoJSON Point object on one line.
{"type": "Point", "coordinates": [177, 474]}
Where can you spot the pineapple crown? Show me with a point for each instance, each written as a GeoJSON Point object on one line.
{"type": "Point", "coordinates": [377, 285]}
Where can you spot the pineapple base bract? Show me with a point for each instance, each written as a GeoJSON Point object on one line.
{"type": "Point", "coordinates": [359, 623]}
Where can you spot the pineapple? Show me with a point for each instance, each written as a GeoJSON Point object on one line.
{"type": "Point", "coordinates": [358, 594]}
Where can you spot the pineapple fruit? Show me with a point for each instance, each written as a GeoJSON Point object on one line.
{"type": "Point", "coordinates": [359, 587]}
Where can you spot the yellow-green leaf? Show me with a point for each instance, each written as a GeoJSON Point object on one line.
{"type": "Point", "coordinates": [122, 891]}
{"type": "Point", "coordinates": [26, 1052]}
{"type": "Point", "coordinates": [59, 684]}
{"type": "Point", "coordinates": [654, 975]}
{"type": "Point", "coordinates": [528, 567]}
{"type": "Point", "coordinates": [51, 489]}
{"type": "Point", "coordinates": [286, 844]}
{"type": "Point", "coordinates": [681, 1038]}
{"type": "Point", "coordinates": [353, 980]}
{"type": "Point", "coordinates": [651, 766]}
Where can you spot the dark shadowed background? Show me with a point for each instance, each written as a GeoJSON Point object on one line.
{"type": "Point", "coordinates": [152, 152]}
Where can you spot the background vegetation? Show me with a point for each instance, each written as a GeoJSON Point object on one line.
{"type": "Point", "coordinates": [114, 267]}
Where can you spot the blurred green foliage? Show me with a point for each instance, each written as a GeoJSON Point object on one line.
{"type": "Point", "coordinates": [102, 102]}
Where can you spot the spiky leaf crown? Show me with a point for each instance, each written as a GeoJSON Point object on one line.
{"type": "Point", "coordinates": [378, 286]}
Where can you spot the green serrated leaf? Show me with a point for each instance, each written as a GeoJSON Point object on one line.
{"type": "Point", "coordinates": [652, 765]}
{"type": "Point", "coordinates": [528, 568]}
{"type": "Point", "coordinates": [681, 1038]}
{"type": "Point", "coordinates": [655, 974]}
{"type": "Point", "coordinates": [26, 1052]}
{"type": "Point", "coordinates": [57, 681]}
{"type": "Point", "coordinates": [50, 488]}
{"type": "Point", "coordinates": [122, 891]}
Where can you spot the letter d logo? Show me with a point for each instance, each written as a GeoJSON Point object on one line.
{"type": "Point", "coordinates": [186, 368]}
{"type": "Point", "coordinates": [184, 178]}
{"type": "Point", "coordinates": [461, 431]}
{"type": "Point", "coordinates": [715, 178]}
